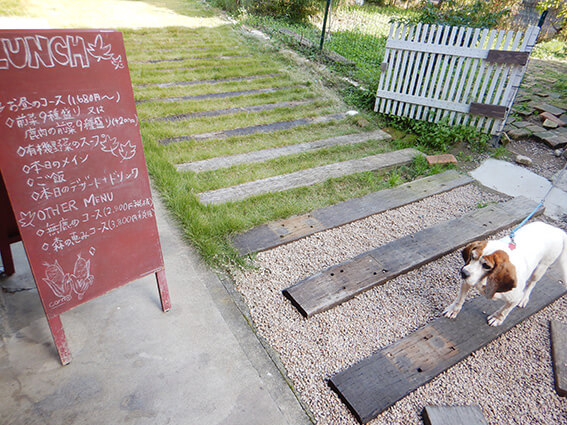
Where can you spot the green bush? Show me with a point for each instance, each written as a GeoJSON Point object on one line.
{"type": "Point", "coordinates": [288, 10]}
{"type": "Point", "coordinates": [475, 13]}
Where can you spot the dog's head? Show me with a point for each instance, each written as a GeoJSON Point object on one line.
{"type": "Point", "coordinates": [492, 272]}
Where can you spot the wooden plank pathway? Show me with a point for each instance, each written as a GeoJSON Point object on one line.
{"type": "Point", "coordinates": [307, 177]}
{"type": "Point", "coordinates": [342, 282]}
{"type": "Point", "coordinates": [228, 111]}
{"type": "Point", "coordinates": [453, 415]}
{"type": "Point", "coordinates": [267, 154]}
{"type": "Point", "coordinates": [281, 232]}
{"type": "Point", "coordinates": [217, 81]}
{"type": "Point", "coordinates": [220, 95]}
{"type": "Point", "coordinates": [191, 58]}
{"type": "Point", "coordinates": [254, 129]}
{"type": "Point", "coordinates": [559, 355]}
{"type": "Point", "coordinates": [377, 382]}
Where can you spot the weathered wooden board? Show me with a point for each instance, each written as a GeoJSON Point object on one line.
{"type": "Point", "coordinates": [508, 57]}
{"type": "Point", "coordinates": [307, 177]}
{"type": "Point", "coordinates": [377, 382]}
{"type": "Point", "coordinates": [453, 415]}
{"type": "Point", "coordinates": [220, 95]}
{"type": "Point", "coordinates": [559, 354]}
{"type": "Point", "coordinates": [261, 128]}
{"type": "Point", "coordinates": [490, 111]}
{"type": "Point", "coordinates": [284, 231]}
{"type": "Point", "coordinates": [228, 111]}
{"type": "Point", "coordinates": [267, 154]}
{"type": "Point", "coordinates": [342, 282]}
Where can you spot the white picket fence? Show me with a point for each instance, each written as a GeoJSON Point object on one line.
{"type": "Point", "coordinates": [464, 76]}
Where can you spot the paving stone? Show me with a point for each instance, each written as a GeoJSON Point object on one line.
{"type": "Point", "coordinates": [519, 133]}
{"type": "Point", "coordinates": [552, 139]}
{"type": "Point", "coordinates": [547, 108]}
{"type": "Point", "coordinates": [534, 128]}
{"type": "Point", "coordinates": [550, 124]}
{"type": "Point", "coordinates": [560, 179]}
{"type": "Point", "coordinates": [550, 117]}
{"type": "Point", "coordinates": [522, 124]}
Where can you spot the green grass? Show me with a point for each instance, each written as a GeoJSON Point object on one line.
{"type": "Point", "coordinates": [210, 227]}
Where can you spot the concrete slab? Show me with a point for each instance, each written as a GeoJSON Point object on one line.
{"type": "Point", "coordinates": [514, 180]}
{"type": "Point", "coordinates": [198, 364]}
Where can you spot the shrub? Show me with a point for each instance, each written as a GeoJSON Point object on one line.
{"type": "Point", "coordinates": [470, 13]}
{"type": "Point", "coordinates": [289, 10]}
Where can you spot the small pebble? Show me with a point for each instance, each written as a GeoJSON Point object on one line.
{"type": "Point", "coordinates": [524, 160]}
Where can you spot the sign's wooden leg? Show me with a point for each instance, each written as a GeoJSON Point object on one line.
{"type": "Point", "coordinates": [163, 291]}
{"type": "Point", "coordinates": [7, 260]}
{"type": "Point", "coordinates": [60, 339]}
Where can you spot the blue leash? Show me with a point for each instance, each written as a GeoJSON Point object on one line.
{"type": "Point", "coordinates": [513, 233]}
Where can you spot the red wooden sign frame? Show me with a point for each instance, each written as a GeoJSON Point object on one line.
{"type": "Point", "coordinates": [72, 162]}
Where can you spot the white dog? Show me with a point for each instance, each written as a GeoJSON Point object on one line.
{"type": "Point", "coordinates": [508, 271]}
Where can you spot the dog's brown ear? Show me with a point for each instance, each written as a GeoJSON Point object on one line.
{"type": "Point", "coordinates": [502, 277]}
{"type": "Point", "coordinates": [468, 250]}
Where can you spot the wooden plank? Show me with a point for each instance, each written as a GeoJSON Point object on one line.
{"type": "Point", "coordinates": [220, 95]}
{"type": "Point", "coordinates": [508, 57]}
{"type": "Point", "coordinates": [307, 177]}
{"type": "Point", "coordinates": [267, 154]}
{"type": "Point", "coordinates": [453, 415]}
{"type": "Point", "coordinates": [270, 235]}
{"type": "Point", "coordinates": [559, 356]}
{"type": "Point", "coordinates": [377, 382]}
{"type": "Point", "coordinates": [228, 111]}
{"type": "Point", "coordinates": [254, 129]}
{"type": "Point", "coordinates": [492, 111]}
{"type": "Point", "coordinates": [332, 286]}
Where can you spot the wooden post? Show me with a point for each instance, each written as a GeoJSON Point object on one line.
{"type": "Point", "coordinates": [60, 340]}
{"type": "Point", "coordinates": [163, 291]}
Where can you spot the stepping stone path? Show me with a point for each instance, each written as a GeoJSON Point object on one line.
{"type": "Point", "coordinates": [540, 120]}
{"type": "Point", "coordinates": [308, 177]}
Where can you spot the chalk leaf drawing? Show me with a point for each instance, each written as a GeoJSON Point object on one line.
{"type": "Point", "coordinates": [127, 150]}
{"type": "Point", "coordinates": [82, 277]}
{"type": "Point", "coordinates": [58, 280]}
{"type": "Point", "coordinates": [98, 50]}
{"type": "Point", "coordinates": [109, 144]}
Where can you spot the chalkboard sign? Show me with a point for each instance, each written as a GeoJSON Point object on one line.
{"type": "Point", "coordinates": [72, 161]}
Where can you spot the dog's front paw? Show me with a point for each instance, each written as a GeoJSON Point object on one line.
{"type": "Point", "coordinates": [495, 320]}
{"type": "Point", "coordinates": [524, 302]}
{"type": "Point", "coordinates": [452, 311]}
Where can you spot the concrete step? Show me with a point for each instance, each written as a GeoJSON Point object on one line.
{"type": "Point", "coordinates": [307, 177]}
{"type": "Point", "coordinates": [267, 154]}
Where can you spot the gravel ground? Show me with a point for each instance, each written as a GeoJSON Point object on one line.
{"type": "Point", "coordinates": [511, 378]}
